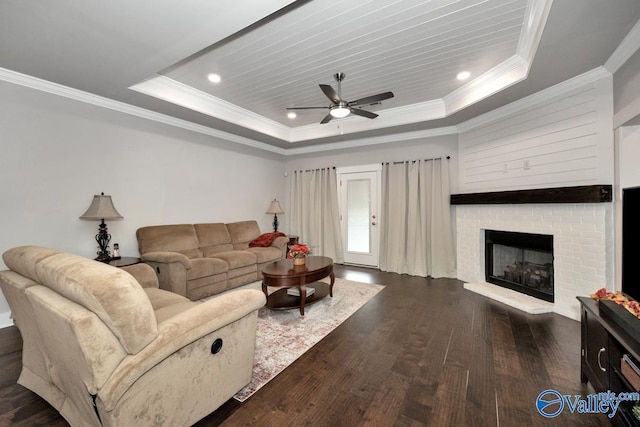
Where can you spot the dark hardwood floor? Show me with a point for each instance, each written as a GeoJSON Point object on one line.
{"type": "Point", "coordinates": [422, 352]}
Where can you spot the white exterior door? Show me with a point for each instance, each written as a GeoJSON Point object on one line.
{"type": "Point", "coordinates": [359, 198]}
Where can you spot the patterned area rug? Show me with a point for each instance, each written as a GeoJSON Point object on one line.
{"type": "Point", "coordinates": [283, 336]}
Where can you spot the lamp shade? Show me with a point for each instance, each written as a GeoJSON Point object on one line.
{"type": "Point", "coordinates": [101, 208]}
{"type": "Point", "coordinates": [275, 208]}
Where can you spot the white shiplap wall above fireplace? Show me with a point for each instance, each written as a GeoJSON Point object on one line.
{"type": "Point", "coordinates": [565, 139]}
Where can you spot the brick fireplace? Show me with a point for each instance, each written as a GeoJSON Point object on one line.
{"type": "Point", "coordinates": [583, 245]}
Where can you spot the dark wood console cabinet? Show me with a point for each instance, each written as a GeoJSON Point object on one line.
{"type": "Point", "coordinates": [603, 345]}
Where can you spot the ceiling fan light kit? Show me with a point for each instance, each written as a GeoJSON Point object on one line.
{"type": "Point", "coordinates": [340, 108]}
{"type": "Point", "coordinates": [340, 111]}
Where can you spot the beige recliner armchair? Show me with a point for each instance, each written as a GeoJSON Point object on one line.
{"type": "Point", "coordinates": [106, 349]}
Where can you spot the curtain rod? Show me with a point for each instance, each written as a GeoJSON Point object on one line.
{"type": "Point", "coordinates": [413, 161]}
{"type": "Point", "coordinates": [311, 170]}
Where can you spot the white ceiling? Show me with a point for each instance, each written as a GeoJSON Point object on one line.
{"type": "Point", "coordinates": [273, 54]}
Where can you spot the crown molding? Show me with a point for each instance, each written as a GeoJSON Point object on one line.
{"type": "Point", "coordinates": [177, 93]}
{"type": "Point", "coordinates": [509, 72]}
{"type": "Point", "coordinates": [625, 50]}
{"type": "Point", "coordinates": [535, 21]}
{"type": "Point", "coordinates": [99, 101]}
{"type": "Point", "coordinates": [498, 78]}
{"type": "Point", "coordinates": [536, 98]}
{"type": "Point", "coordinates": [355, 143]}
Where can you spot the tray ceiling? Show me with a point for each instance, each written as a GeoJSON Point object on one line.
{"type": "Point", "coordinates": [153, 59]}
{"type": "Point", "coordinates": [413, 48]}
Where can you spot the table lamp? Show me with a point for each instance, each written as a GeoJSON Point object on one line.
{"type": "Point", "coordinates": [275, 209]}
{"type": "Point", "coordinates": [102, 208]}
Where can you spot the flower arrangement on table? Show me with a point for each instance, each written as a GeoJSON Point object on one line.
{"type": "Point", "coordinates": [298, 251]}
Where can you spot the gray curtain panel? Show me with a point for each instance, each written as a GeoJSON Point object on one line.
{"type": "Point", "coordinates": [314, 211]}
{"type": "Point", "coordinates": [416, 235]}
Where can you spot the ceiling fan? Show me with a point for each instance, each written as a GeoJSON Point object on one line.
{"type": "Point", "coordinates": [340, 108]}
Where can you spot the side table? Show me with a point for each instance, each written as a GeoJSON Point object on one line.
{"type": "Point", "coordinates": [125, 261]}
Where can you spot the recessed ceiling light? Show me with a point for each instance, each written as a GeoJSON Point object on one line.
{"type": "Point", "coordinates": [463, 75]}
{"type": "Point", "coordinates": [291, 115]}
{"type": "Point", "coordinates": [214, 78]}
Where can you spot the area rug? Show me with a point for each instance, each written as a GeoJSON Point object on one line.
{"type": "Point", "coordinates": [283, 336]}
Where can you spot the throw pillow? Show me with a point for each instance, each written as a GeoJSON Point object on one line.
{"type": "Point", "coordinates": [265, 240]}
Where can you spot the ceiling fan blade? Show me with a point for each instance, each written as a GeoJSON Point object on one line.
{"type": "Point", "coordinates": [372, 99]}
{"type": "Point", "coordinates": [304, 108]}
{"type": "Point", "coordinates": [326, 119]}
{"type": "Point", "coordinates": [331, 94]}
{"type": "Point", "coordinates": [364, 113]}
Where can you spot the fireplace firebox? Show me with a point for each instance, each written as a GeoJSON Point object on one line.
{"type": "Point", "coordinates": [520, 261]}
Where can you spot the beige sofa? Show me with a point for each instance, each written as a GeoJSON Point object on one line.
{"type": "Point", "coordinates": [106, 349]}
{"type": "Point", "coordinates": [199, 260]}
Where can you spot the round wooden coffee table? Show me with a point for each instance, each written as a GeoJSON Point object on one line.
{"type": "Point", "coordinates": [283, 274]}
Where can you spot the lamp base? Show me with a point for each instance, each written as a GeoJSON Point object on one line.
{"type": "Point", "coordinates": [103, 257]}
{"type": "Point", "coordinates": [103, 238]}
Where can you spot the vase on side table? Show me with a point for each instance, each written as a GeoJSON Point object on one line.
{"type": "Point", "coordinates": [299, 261]}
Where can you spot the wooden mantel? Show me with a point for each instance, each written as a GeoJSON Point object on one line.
{"type": "Point", "coordinates": [580, 194]}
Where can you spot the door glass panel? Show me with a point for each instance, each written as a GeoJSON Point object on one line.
{"type": "Point", "coordinates": [358, 212]}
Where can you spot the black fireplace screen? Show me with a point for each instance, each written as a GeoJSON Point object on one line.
{"type": "Point", "coordinates": [520, 261]}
